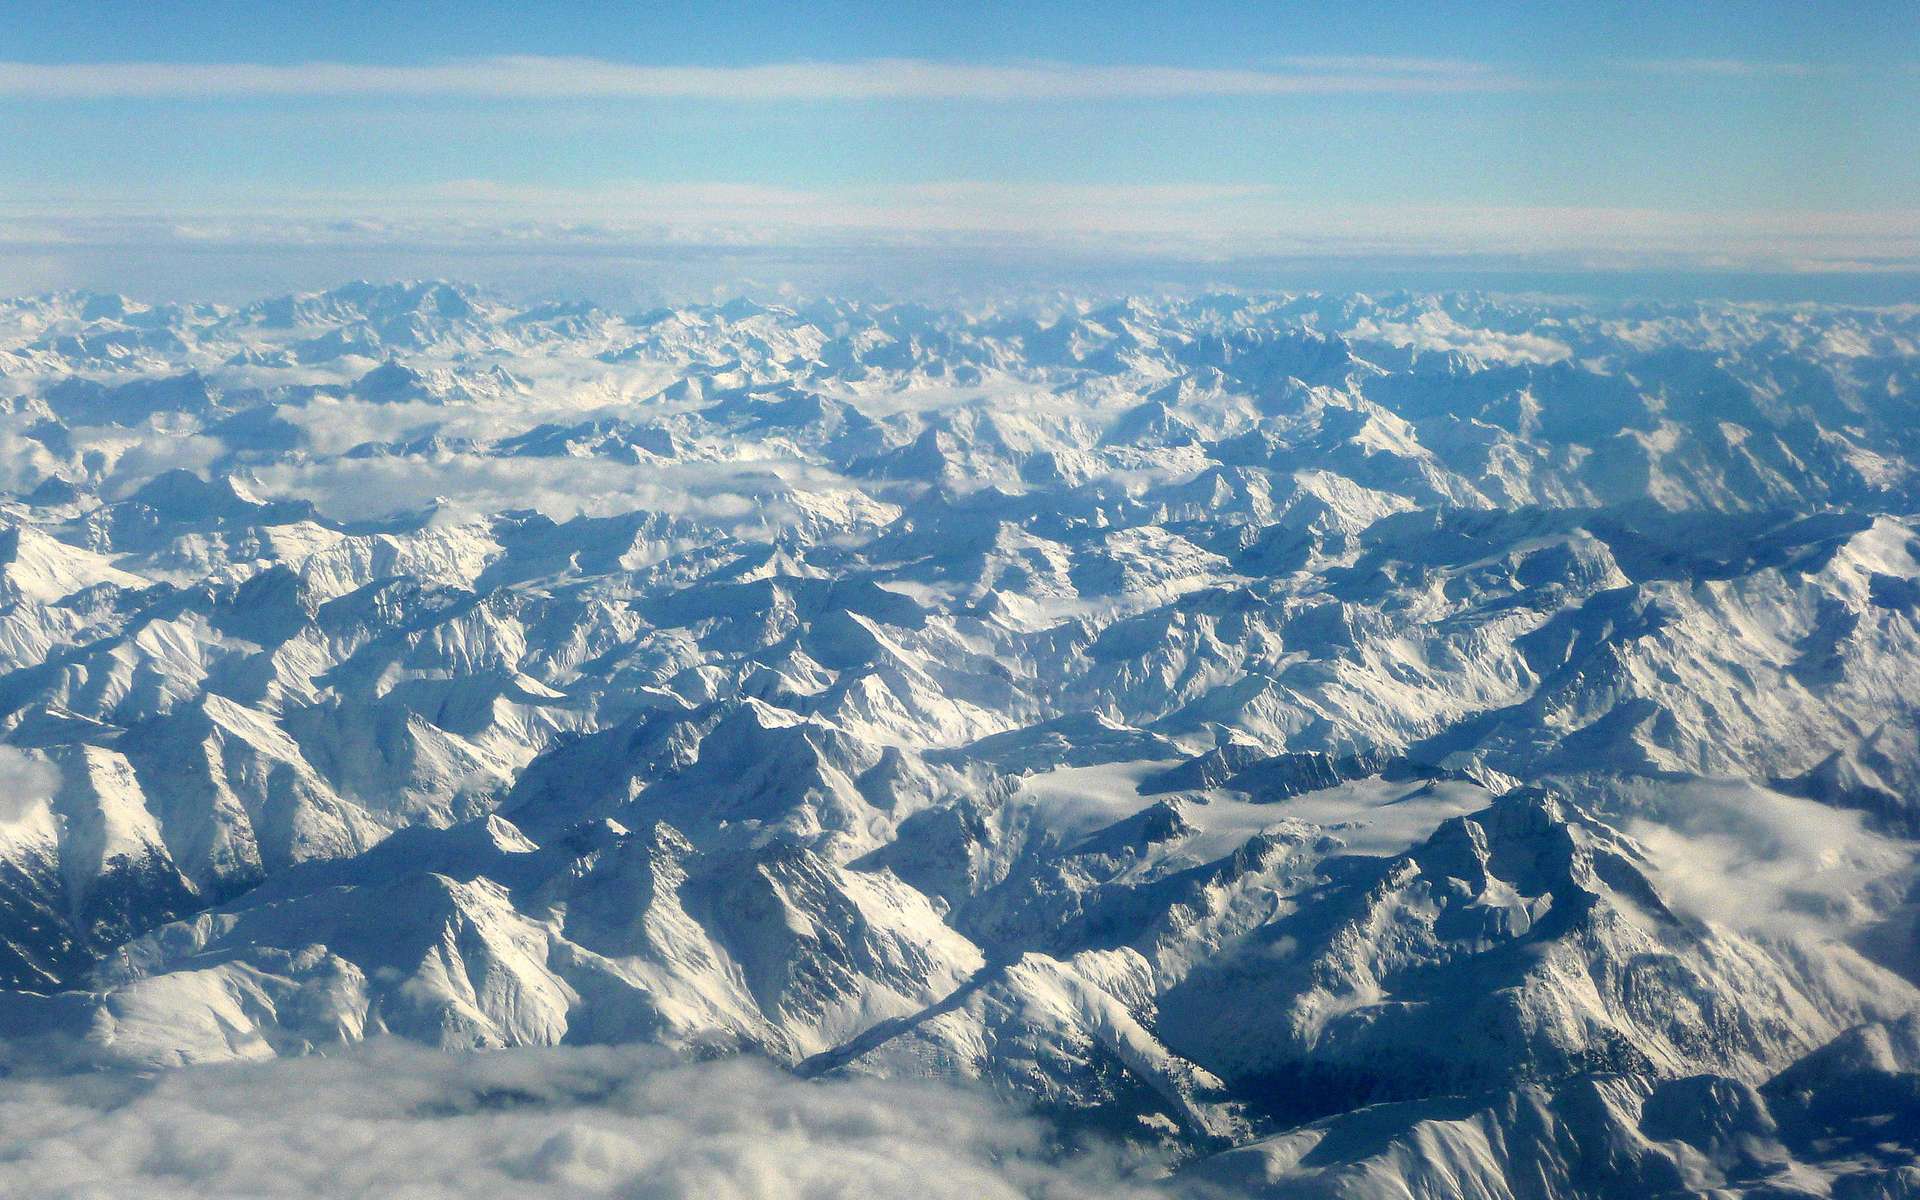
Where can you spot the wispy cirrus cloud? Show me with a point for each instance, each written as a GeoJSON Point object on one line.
{"type": "Point", "coordinates": [1719, 68]}
{"type": "Point", "coordinates": [527, 77]}
{"type": "Point", "coordinates": [1384, 63]}
{"type": "Point", "coordinates": [532, 77]}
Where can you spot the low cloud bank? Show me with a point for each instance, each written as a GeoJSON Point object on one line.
{"type": "Point", "coordinates": [398, 1120]}
{"type": "Point", "coordinates": [1760, 862]}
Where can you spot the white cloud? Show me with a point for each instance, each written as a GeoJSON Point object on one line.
{"type": "Point", "coordinates": [27, 784]}
{"type": "Point", "coordinates": [526, 77]}
{"type": "Point", "coordinates": [1724, 68]}
{"type": "Point", "coordinates": [1438, 330]}
{"type": "Point", "coordinates": [749, 498]}
{"type": "Point", "coordinates": [139, 454]}
{"type": "Point", "coordinates": [1194, 220]}
{"type": "Point", "coordinates": [1384, 64]}
{"type": "Point", "coordinates": [1758, 861]}
{"type": "Point", "coordinates": [398, 1120]}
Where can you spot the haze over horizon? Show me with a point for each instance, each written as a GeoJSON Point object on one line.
{"type": "Point", "coordinates": [1744, 148]}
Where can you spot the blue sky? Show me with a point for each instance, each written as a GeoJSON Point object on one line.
{"type": "Point", "coordinates": [1775, 135]}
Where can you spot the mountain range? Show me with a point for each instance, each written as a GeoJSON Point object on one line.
{"type": "Point", "coordinates": [1343, 745]}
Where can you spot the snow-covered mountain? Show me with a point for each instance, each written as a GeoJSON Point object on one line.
{"type": "Point", "coordinates": [1358, 745]}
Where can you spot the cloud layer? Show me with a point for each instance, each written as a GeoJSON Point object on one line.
{"type": "Point", "coordinates": [531, 77]}
{"type": "Point", "coordinates": [1751, 859]}
{"type": "Point", "coordinates": [1191, 222]}
{"type": "Point", "coordinates": [396, 1120]}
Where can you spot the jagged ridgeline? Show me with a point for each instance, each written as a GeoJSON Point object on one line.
{"type": "Point", "coordinates": [1364, 746]}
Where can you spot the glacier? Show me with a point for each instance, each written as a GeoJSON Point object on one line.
{"type": "Point", "coordinates": [1401, 745]}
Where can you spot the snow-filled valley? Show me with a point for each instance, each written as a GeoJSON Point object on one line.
{"type": "Point", "coordinates": [1327, 745]}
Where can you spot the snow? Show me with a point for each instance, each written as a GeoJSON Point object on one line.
{"type": "Point", "coordinates": [803, 680]}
